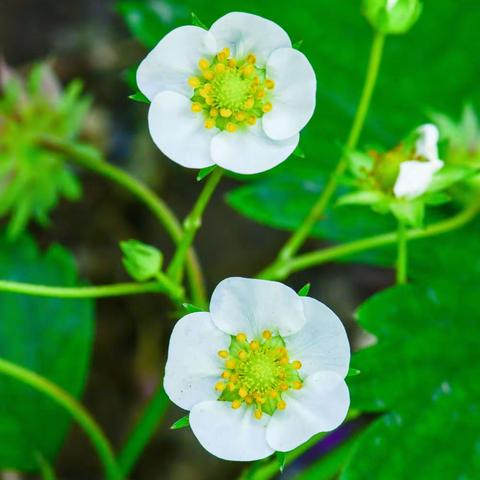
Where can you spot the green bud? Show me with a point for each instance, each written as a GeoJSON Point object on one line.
{"type": "Point", "coordinates": [392, 16]}
{"type": "Point", "coordinates": [141, 261]}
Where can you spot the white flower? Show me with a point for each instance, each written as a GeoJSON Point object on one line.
{"type": "Point", "coordinates": [262, 372]}
{"type": "Point", "coordinates": [391, 4]}
{"type": "Point", "coordinates": [416, 175]}
{"type": "Point", "coordinates": [236, 95]}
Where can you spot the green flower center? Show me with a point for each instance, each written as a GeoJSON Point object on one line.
{"type": "Point", "coordinates": [230, 93]}
{"type": "Point", "coordinates": [258, 373]}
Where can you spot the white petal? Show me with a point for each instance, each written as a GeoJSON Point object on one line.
{"type": "Point", "coordinates": [415, 177]}
{"type": "Point", "coordinates": [245, 33]}
{"type": "Point", "coordinates": [250, 150]}
{"type": "Point", "coordinates": [178, 132]}
{"type": "Point", "coordinates": [193, 365]}
{"type": "Point", "coordinates": [230, 434]}
{"type": "Point", "coordinates": [427, 144]}
{"type": "Point", "coordinates": [293, 98]}
{"type": "Point", "coordinates": [174, 60]}
{"type": "Point", "coordinates": [322, 344]}
{"type": "Point", "coordinates": [252, 306]}
{"type": "Point", "coordinates": [320, 406]}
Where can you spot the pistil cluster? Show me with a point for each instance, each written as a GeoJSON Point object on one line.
{"type": "Point", "coordinates": [230, 93]}
{"type": "Point", "coordinates": [258, 373]}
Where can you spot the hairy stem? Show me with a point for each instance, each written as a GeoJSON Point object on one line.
{"type": "Point", "coordinates": [78, 412]}
{"type": "Point", "coordinates": [89, 158]}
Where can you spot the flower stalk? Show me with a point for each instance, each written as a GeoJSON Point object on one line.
{"type": "Point", "coordinates": [402, 255]}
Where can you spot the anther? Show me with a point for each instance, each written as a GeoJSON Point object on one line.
{"type": "Point", "coordinates": [236, 404]}
{"type": "Point", "coordinates": [241, 337]}
{"type": "Point", "coordinates": [242, 392]}
{"type": "Point", "coordinates": [297, 364]}
{"type": "Point", "coordinates": [249, 103]}
{"type": "Point", "coordinates": [223, 354]}
{"type": "Point", "coordinates": [270, 84]}
{"type": "Point", "coordinates": [251, 59]}
{"type": "Point", "coordinates": [254, 345]}
{"type": "Point", "coordinates": [231, 386]}
{"type": "Point", "coordinates": [196, 107]}
{"type": "Point", "coordinates": [194, 82]}
{"type": "Point", "coordinates": [210, 123]}
{"type": "Point", "coordinates": [258, 413]}
{"type": "Point", "coordinates": [274, 394]}
{"type": "Point", "coordinates": [231, 127]}
{"type": "Point", "coordinates": [208, 74]}
{"type": "Point", "coordinates": [240, 116]}
{"type": "Point", "coordinates": [225, 112]}
{"type": "Point", "coordinates": [281, 405]}
{"type": "Point", "coordinates": [209, 101]}
{"type": "Point", "coordinates": [203, 63]}
{"type": "Point", "coordinates": [267, 107]}
{"type": "Point", "coordinates": [226, 374]}
{"type": "Point", "coordinates": [220, 68]}
{"type": "Point", "coordinates": [220, 386]}
{"type": "Point", "coordinates": [213, 112]}
{"type": "Point", "coordinates": [297, 385]}
{"type": "Point", "coordinates": [230, 363]}
{"type": "Point", "coordinates": [242, 354]}
{"type": "Point", "coordinates": [260, 93]}
{"type": "Point", "coordinates": [248, 399]}
{"type": "Point", "coordinates": [252, 120]}
{"type": "Point", "coordinates": [267, 334]}
{"type": "Point", "coordinates": [247, 70]}
{"type": "Point", "coordinates": [283, 386]}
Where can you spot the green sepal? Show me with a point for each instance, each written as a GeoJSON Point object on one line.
{"type": "Point", "coordinates": [190, 308]}
{"type": "Point", "coordinates": [181, 423]}
{"type": "Point", "coordinates": [197, 22]}
{"type": "Point", "coordinates": [303, 292]}
{"type": "Point", "coordinates": [409, 212]}
{"type": "Point", "coordinates": [140, 260]}
{"type": "Point", "coordinates": [139, 97]}
{"type": "Point", "coordinates": [282, 460]}
{"type": "Point", "coordinates": [363, 197]}
{"type": "Point", "coordinates": [353, 372]}
{"type": "Point", "coordinates": [298, 152]}
{"type": "Point", "coordinates": [205, 172]}
{"type": "Point", "coordinates": [296, 45]}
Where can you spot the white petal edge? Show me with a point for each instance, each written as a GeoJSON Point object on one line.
{"type": "Point", "coordinates": [415, 178]}
{"type": "Point", "coordinates": [322, 344]}
{"type": "Point", "coordinates": [178, 132]}
{"type": "Point", "coordinates": [245, 33]}
{"type": "Point", "coordinates": [320, 406]}
{"type": "Point", "coordinates": [251, 306]}
{"type": "Point", "coordinates": [230, 434]}
{"type": "Point", "coordinates": [427, 145]}
{"type": "Point", "coordinates": [293, 98]}
{"type": "Point", "coordinates": [193, 365]}
{"type": "Point", "coordinates": [174, 60]}
{"type": "Point", "coordinates": [250, 151]}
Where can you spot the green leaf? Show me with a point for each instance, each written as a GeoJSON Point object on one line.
{"type": "Point", "coordinates": [282, 460]}
{"type": "Point", "coordinates": [52, 337]}
{"type": "Point", "coordinates": [139, 97]}
{"type": "Point", "coordinates": [422, 375]}
{"type": "Point", "coordinates": [204, 172]}
{"type": "Point", "coordinates": [181, 423]}
{"type": "Point", "coordinates": [303, 292]}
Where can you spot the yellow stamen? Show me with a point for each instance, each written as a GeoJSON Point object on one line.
{"type": "Point", "coordinates": [236, 404]}
{"type": "Point", "coordinates": [297, 364]}
{"type": "Point", "coordinates": [247, 70]}
{"type": "Point", "coordinates": [230, 363]}
{"type": "Point", "coordinates": [283, 386]}
{"type": "Point", "coordinates": [270, 84]}
{"type": "Point", "coordinates": [242, 355]}
{"type": "Point", "coordinates": [232, 63]}
{"type": "Point", "coordinates": [223, 354]}
{"type": "Point", "coordinates": [231, 386]}
{"type": "Point", "coordinates": [284, 361]}
{"type": "Point", "coordinates": [209, 101]}
{"type": "Point", "coordinates": [196, 107]}
{"type": "Point", "coordinates": [213, 112]}
{"type": "Point", "coordinates": [274, 394]}
{"type": "Point", "coordinates": [225, 112]}
{"type": "Point", "coordinates": [240, 116]}
{"type": "Point", "coordinates": [220, 386]}
{"type": "Point", "coordinates": [194, 82]}
{"type": "Point", "coordinates": [252, 120]}
{"type": "Point", "coordinates": [281, 405]}
{"type": "Point", "coordinates": [241, 337]}
{"type": "Point", "coordinates": [210, 123]}
{"type": "Point", "coordinates": [203, 63]}
{"type": "Point", "coordinates": [267, 107]}
{"type": "Point", "coordinates": [231, 127]}
{"type": "Point", "coordinates": [260, 93]}
{"type": "Point", "coordinates": [267, 334]}
{"type": "Point", "coordinates": [258, 413]}
{"type": "Point", "coordinates": [254, 345]}
{"type": "Point", "coordinates": [297, 385]}
{"type": "Point", "coordinates": [259, 400]}
{"type": "Point", "coordinates": [208, 74]}
{"type": "Point", "coordinates": [248, 399]}
{"type": "Point", "coordinates": [226, 374]}
{"type": "Point", "coordinates": [249, 103]}
{"type": "Point", "coordinates": [252, 59]}
{"type": "Point", "coordinates": [220, 68]}
{"type": "Point", "coordinates": [242, 392]}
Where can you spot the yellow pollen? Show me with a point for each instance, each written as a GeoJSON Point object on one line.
{"type": "Point", "coordinates": [274, 394]}
{"type": "Point", "coordinates": [267, 334]}
{"type": "Point", "coordinates": [208, 74]}
{"type": "Point", "coordinates": [226, 51]}
{"type": "Point", "coordinates": [248, 399]}
{"type": "Point", "coordinates": [220, 386]}
{"type": "Point", "coordinates": [281, 405]}
{"type": "Point", "coordinates": [254, 345]}
{"type": "Point", "coordinates": [235, 378]}
{"type": "Point", "coordinates": [247, 70]}
{"type": "Point", "coordinates": [249, 103]}
{"type": "Point", "coordinates": [223, 354]}
{"type": "Point", "coordinates": [226, 374]}
{"type": "Point", "coordinates": [241, 337]}
{"type": "Point", "coordinates": [203, 64]}
{"type": "Point", "coordinates": [194, 82]}
{"type": "Point", "coordinates": [209, 123]}
{"type": "Point", "coordinates": [213, 112]}
{"type": "Point", "coordinates": [251, 120]}
{"type": "Point", "coordinates": [231, 127]}
{"type": "Point", "coordinates": [231, 386]}
{"type": "Point", "coordinates": [281, 351]}
{"type": "Point", "coordinates": [260, 93]}
{"type": "Point", "coordinates": [270, 84]}
{"type": "Point", "coordinates": [267, 107]}
{"type": "Point", "coordinates": [258, 413]}
{"type": "Point", "coordinates": [297, 385]}
{"type": "Point", "coordinates": [283, 386]}
{"type": "Point", "coordinates": [242, 392]}
{"type": "Point", "coordinates": [196, 107]}
{"type": "Point", "coordinates": [284, 361]}
{"type": "Point", "coordinates": [236, 404]}
{"type": "Point", "coordinates": [232, 63]}
{"type": "Point", "coordinates": [209, 101]}
{"type": "Point", "coordinates": [297, 365]}
{"type": "Point", "coordinates": [259, 400]}
{"type": "Point", "coordinates": [252, 59]}
{"type": "Point", "coordinates": [242, 355]}
{"type": "Point", "coordinates": [240, 116]}
{"type": "Point", "coordinates": [230, 363]}
{"type": "Point", "coordinates": [220, 68]}
{"type": "Point", "coordinates": [225, 112]}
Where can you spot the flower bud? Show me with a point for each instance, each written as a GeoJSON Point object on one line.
{"type": "Point", "coordinates": [392, 16]}
{"type": "Point", "coordinates": [141, 261]}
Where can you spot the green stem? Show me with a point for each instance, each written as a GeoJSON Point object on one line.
{"type": "Point", "coordinates": [78, 412]}
{"type": "Point", "coordinates": [192, 223]}
{"type": "Point", "coordinates": [402, 257]}
{"type": "Point", "coordinates": [320, 257]}
{"type": "Point", "coordinates": [89, 158]}
{"type": "Point", "coordinates": [300, 235]}
{"type": "Point", "coordinates": [143, 431]}
{"type": "Point", "coordinates": [115, 290]}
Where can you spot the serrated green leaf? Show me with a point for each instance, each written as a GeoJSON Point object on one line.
{"type": "Point", "coordinates": [422, 374]}
{"type": "Point", "coordinates": [52, 337]}
{"type": "Point", "coordinates": [303, 292]}
{"type": "Point", "coordinates": [181, 423]}
{"type": "Point", "coordinates": [205, 172]}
